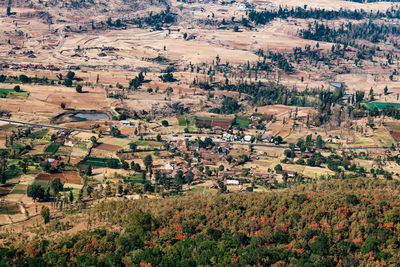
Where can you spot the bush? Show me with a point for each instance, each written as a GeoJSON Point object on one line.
{"type": "Point", "coordinates": [79, 88]}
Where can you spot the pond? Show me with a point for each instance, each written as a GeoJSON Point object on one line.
{"type": "Point", "coordinates": [91, 116]}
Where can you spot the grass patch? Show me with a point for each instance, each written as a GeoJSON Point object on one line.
{"type": "Point", "coordinates": [6, 92]}
{"type": "Point", "coordinates": [137, 178]}
{"type": "Point", "coordinates": [52, 148]}
{"type": "Point", "coordinates": [213, 119]}
{"type": "Point", "coordinates": [200, 189]}
{"type": "Point", "coordinates": [381, 105]}
{"type": "Point", "coordinates": [40, 134]}
{"type": "Point", "coordinates": [243, 122]}
{"type": "Point", "coordinates": [81, 145]}
{"type": "Point", "coordinates": [101, 162]}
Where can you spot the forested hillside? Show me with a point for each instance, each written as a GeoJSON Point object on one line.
{"type": "Point", "coordinates": [347, 222]}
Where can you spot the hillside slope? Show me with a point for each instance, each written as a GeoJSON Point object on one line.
{"type": "Point", "coordinates": [347, 222]}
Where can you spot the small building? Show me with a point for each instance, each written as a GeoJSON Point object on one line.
{"type": "Point", "coordinates": [267, 138]}
{"type": "Point", "coordinates": [338, 85]}
{"type": "Point", "coordinates": [126, 123]}
{"type": "Point", "coordinates": [232, 182]}
{"type": "Point", "coordinates": [247, 138]}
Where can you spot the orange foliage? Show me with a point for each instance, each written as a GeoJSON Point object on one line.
{"type": "Point", "coordinates": [299, 251]}
{"type": "Point", "coordinates": [389, 225]}
{"type": "Point", "coordinates": [145, 264]}
{"type": "Point", "coordinates": [180, 237]}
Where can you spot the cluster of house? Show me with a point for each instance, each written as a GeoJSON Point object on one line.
{"type": "Point", "coordinates": [15, 66]}
{"type": "Point", "coordinates": [227, 137]}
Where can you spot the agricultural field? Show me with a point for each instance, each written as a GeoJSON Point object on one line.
{"type": "Point", "coordinates": [166, 126]}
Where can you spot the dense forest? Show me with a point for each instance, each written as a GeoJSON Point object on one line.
{"type": "Point", "coordinates": [349, 32]}
{"type": "Point", "coordinates": [264, 17]}
{"type": "Point", "coordinates": [348, 222]}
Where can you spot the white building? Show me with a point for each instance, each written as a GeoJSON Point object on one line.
{"type": "Point", "coordinates": [169, 167]}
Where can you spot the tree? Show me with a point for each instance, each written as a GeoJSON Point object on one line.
{"type": "Point", "coordinates": [278, 167]}
{"type": "Point", "coordinates": [24, 79]}
{"type": "Point", "coordinates": [148, 161]}
{"type": "Point", "coordinates": [93, 139]}
{"type": "Point", "coordinates": [159, 139]}
{"type": "Point", "coordinates": [70, 75]}
{"type": "Point", "coordinates": [144, 174]}
{"type": "Point", "coordinates": [167, 77]}
{"type": "Point", "coordinates": [67, 82]}
{"type": "Point", "coordinates": [133, 146]}
{"type": "Point", "coordinates": [136, 167]}
{"type": "Point", "coordinates": [8, 11]}
{"type": "Point", "coordinates": [57, 186]}
{"type": "Point", "coordinates": [88, 170]}
{"type": "Point", "coordinates": [164, 123]}
{"type": "Point", "coordinates": [169, 91]}
{"type": "Point", "coordinates": [112, 163]}
{"type": "Point", "coordinates": [17, 88]}
{"type": "Point", "coordinates": [385, 90]}
{"type": "Point", "coordinates": [125, 165]}
{"type": "Point", "coordinates": [35, 191]}
{"type": "Point", "coordinates": [71, 196]}
{"type": "Point", "coordinates": [179, 178]}
{"type": "Point", "coordinates": [319, 143]}
{"type": "Point", "coordinates": [189, 177]}
{"type": "Point", "coordinates": [45, 214]}
{"type": "Point", "coordinates": [222, 187]}
{"type": "Point", "coordinates": [62, 105]}
{"type": "Point", "coordinates": [79, 88]}
{"type": "Point", "coordinates": [115, 131]}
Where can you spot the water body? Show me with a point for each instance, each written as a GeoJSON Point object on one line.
{"type": "Point", "coordinates": [91, 116]}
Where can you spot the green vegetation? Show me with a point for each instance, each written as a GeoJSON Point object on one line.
{"type": "Point", "coordinates": [134, 179]}
{"type": "Point", "coordinates": [52, 148]}
{"type": "Point", "coordinates": [353, 220]}
{"type": "Point", "coordinates": [381, 105]}
{"type": "Point", "coordinates": [243, 122]}
{"type": "Point", "coordinates": [6, 92]}
{"type": "Point", "coordinates": [102, 162]}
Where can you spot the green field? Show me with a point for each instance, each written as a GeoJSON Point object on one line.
{"type": "Point", "coordinates": [6, 92]}
{"type": "Point", "coordinates": [213, 119]}
{"type": "Point", "coordinates": [243, 122]}
{"type": "Point", "coordinates": [51, 149]}
{"type": "Point", "coordinates": [40, 134]}
{"type": "Point", "coordinates": [81, 145]}
{"type": "Point", "coordinates": [381, 105]}
{"type": "Point", "coordinates": [100, 162]}
{"type": "Point", "coordinates": [137, 178]}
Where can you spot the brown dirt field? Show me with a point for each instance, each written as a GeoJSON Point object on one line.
{"type": "Point", "coordinates": [70, 177]}
{"type": "Point", "coordinates": [108, 147]}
